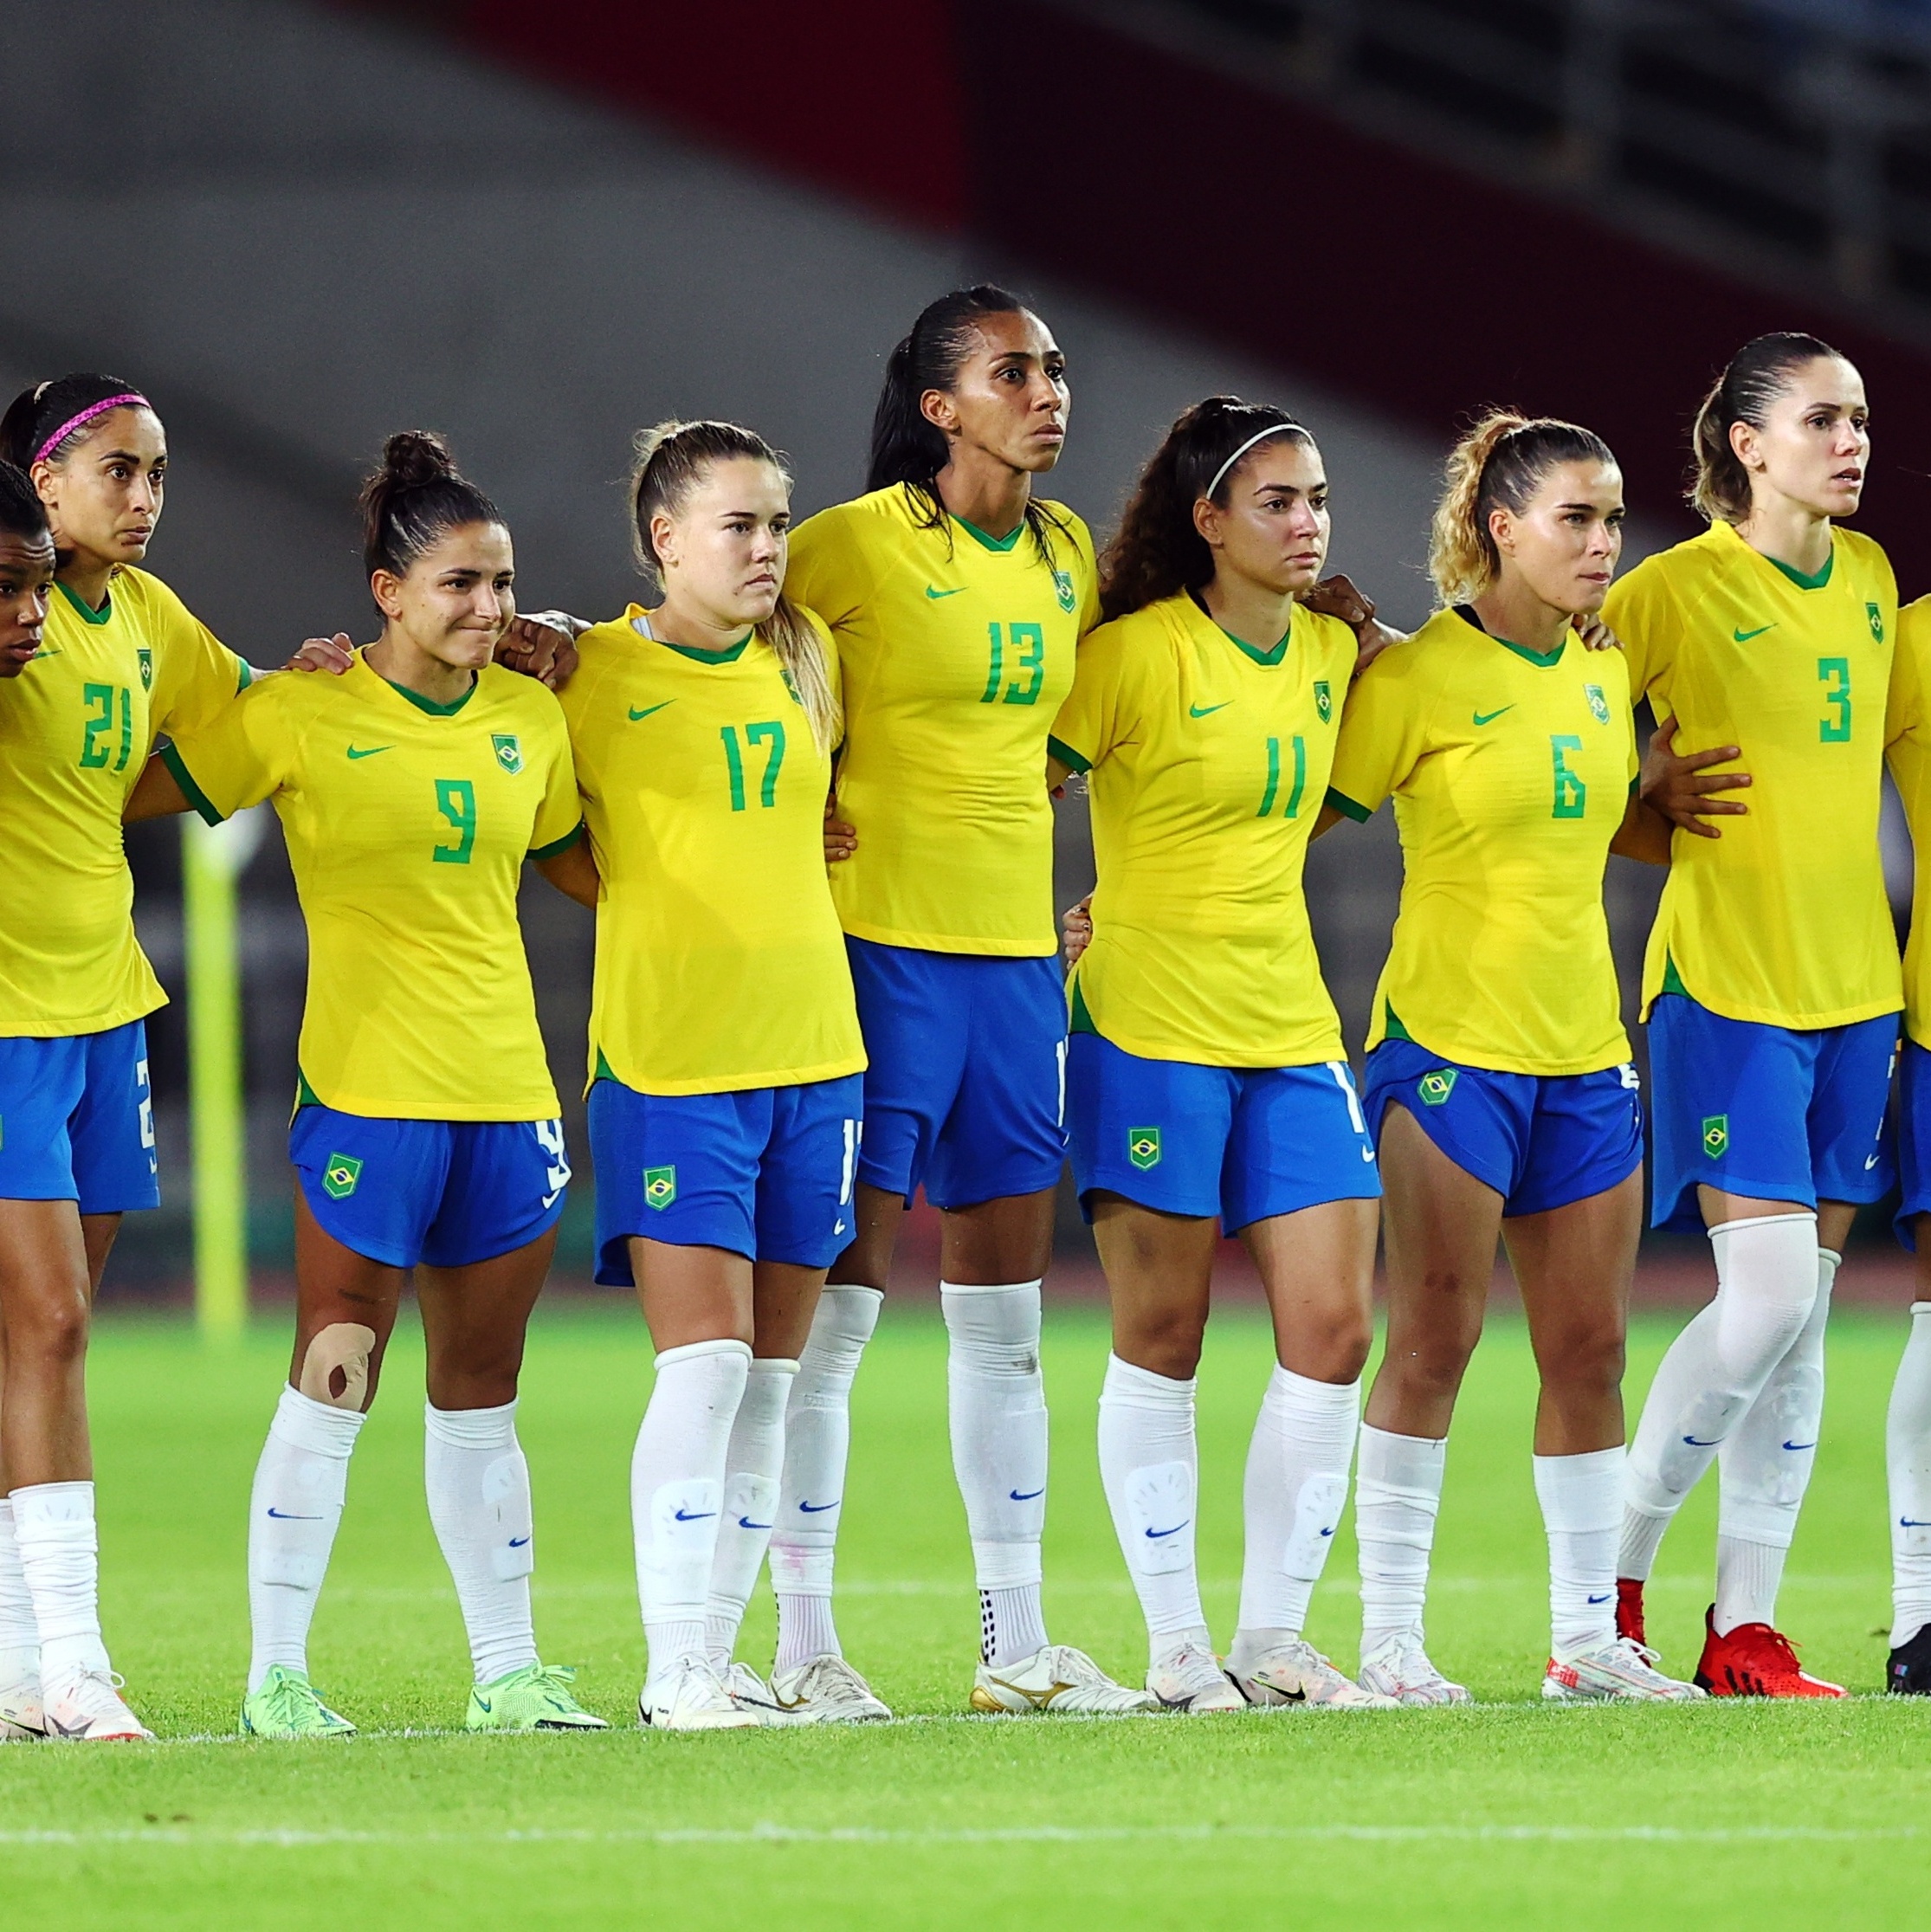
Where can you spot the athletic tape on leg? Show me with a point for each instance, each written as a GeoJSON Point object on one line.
{"type": "Point", "coordinates": [340, 1353]}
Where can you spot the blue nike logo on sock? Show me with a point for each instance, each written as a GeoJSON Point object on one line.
{"type": "Point", "coordinates": [1598, 1599]}
{"type": "Point", "coordinates": [745, 1522]}
{"type": "Point", "coordinates": [517, 1542]}
{"type": "Point", "coordinates": [1714, 1442]}
{"type": "Point", "coordinates": [1913, 1522]}
{"type": "Point", "coordinates": [1795, 1447]}
{"type": "Point", "coordinates": [686, 1515]}
{"type": "Point", "coordinates": [285, 1515]}
{"type": "Point", "coordinates": [1027, 1496]}
{"type": "Point", "coordinates": [1155, 1535]}
{"type": "Point", "coordinates": [1327, 1533]}
{"type": "Point", "coordinates": [818, 1508]}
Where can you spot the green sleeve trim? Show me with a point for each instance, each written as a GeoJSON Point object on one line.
{"type": "Point", "coordinates": [247, 677]}
{"type": "Point", "coordinates": [1348, 808]}
{"type": "Point", "coordinates": [1081, 1021]}
{"type": "Point", "coordinates": [1636, 784]}
{"type": "Point", "coordinates": [1392, 1028]}
{"type": "Point", "coordinates": [557, 845]}
{"type": "Point", "coordinates": [1067, 756]}
{"type": "Point", "coordinates": [1672, 980]}
{"type": "Point", "coordinates": [305, 1095]}
{"type": "Point", "coordinates": [170, 756]}
{"type": "Point", "coordinates": [604, 1068]}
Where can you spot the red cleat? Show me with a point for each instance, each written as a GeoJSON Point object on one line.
{"type": "Point", "coordinates": [1755, 1661]}
{"type": "Point", "coordinates": [1629, 1609]}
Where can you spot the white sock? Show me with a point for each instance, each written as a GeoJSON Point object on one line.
{"type": "Point", "coordinates": [59, 1554]}
{"type": "Point", "coordinates": [1908, 1461]}
{"type": "Point", "coordinates": [300, 1484]}
{"type": "Point", "coordinates": [1582, 1510]}
{"type": "Point", "coordinates": [1766, 1274]}
{"type": "Point", "coordinates": [997, 1400]}
{"type": "Point", "coordinates": [19, 1633]}
{"type": "Point", "coordinates": [479, 1490]}
{"type": "Point", "coordinates": [752, 1466]}
{"type": "Point", "coordinates": [677, 1472]}
{"type": "Point", "coordinates": [1297, 1470]}
{"type": "Point", "coordinates": [1765, 1469]}
{"type": "Point", "coordinates": [810, 1499]}
{"type": "Point", "coordinates": [1150, 1470]}
{"type": "Point", "coordinates": [1397, 1495]}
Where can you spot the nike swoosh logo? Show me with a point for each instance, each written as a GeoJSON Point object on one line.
{"type": "Point", "coordinates": [482, 1703]}
{"type": "Point", "coordinates": [550, 1200]}
{"type": "Point", "coordinates": [517, 1542]}
{"type": "Point", "coordinates": [1871, 1161]}
{"type": "Point", "coordinates": [1713, 1443]}
{"type": "Point", "coordinates": [650, 709]}
{"type": "Point", "coordinates": [818, 1508]}
{"type": "Point", "coordinates": [1327, 1533]}
{"type": "Point", "coordinates": [287, 1516]}
{"type": "Point", "coordinates": [1913, 1522]}
{"type": "Point", "coordinates": [1207, 711]}
{"type": "Point", "coordinates": [1598, 1599]}
{"type": "Point", "coordinates": [38, 654]}
{"type": "Point", "coordinates": [1155, 1535]}
{"type": "Point", "coordinates": [745, 1522]}
{"type": "Point", "coordinates": [1744, 637]}
{"type": "Point", "coordinates": [1027, 1496]}
{"type": "Point", "coordinates": [1798, 1448]}
{"type": "Point", "coordinates": [371, 751]}
{"type": "Point", "coordinates": [1484, 718]}
{"type": "Point", "coordinates": [686, 1515]}
{"type": "Point", "coordinates": [936, 595]}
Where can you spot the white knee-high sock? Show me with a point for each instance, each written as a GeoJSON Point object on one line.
{"type": "Point", "coordinates": [1907, 1463]}
{"type": "Point", "coordinates": [300, 1484]}
{"type": "Point", "coordinates": [19, 1633]}
{"type": "Point", "coordinates": [1767, 1272]}
{"type": "Point", "coordinates": [752, 1466]}
{"type": "Point", "coordinates": [817, 1446]}
{"type": "Point", "coordinates": [1582, 1512]}
{"type": "Point", "coordinates": [1765, 1469]}
{"type": "Point", "coordinates": [1297, 1469]}
{"type": "Point", "coordinates": [1150, 1468]}
{"type": "Point", "coordinates": [677, 1472]}
{"type": "Point", "coordinates": [479, 1492]}
{"type": "Point", "coordinates": [997, 1398]}
{"type": "Point", "coordinates": [1398, 1495]}
{"type": "Point", "coordinates": [59, 1553]}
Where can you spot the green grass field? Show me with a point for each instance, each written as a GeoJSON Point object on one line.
{"type": "Point", "coordinates": [1721, 1815]}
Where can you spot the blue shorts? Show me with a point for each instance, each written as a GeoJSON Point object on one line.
{"type": "Point", "coordinates": [1540, 1141]}
{"type": "Point", "coordinates": [965, 1094]}
{"type": "Point", "coordinates": [1765, 1111]}
{"type": "Point", "coordinates": [1243, 1143]}
{"type": "Point", "coordinates": [77, 1121]}
{"type": "Point", "coordinates": [1914, 1139]}
{"type": "Point", "coordinates": [443, 1192]}
{"type": "Point", "coordinates": [766, 1173]}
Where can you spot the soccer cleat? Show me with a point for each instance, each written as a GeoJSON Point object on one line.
{"type": "Point", "coordinates": [1297, 1673]}
{"type": "Point", "coordinates": [287, 1706]}
{"type": "Point", "coordinates": [1400, 1671]}
{"type": "Point", "coordinates": [1629, 1609]}
{"type": "Point", "coordinates": [1192, 1681]}
{"type": "Point", "coordinates": [690, 1696]}
{"type": "Point", "coordinates": [1057, 1678]}
{"type": "Point", "coordinates": [1755, 1661]}
{"type": "Point", "coordinates": [827, 1689]}
{"type": "Point", "coordinates": [535, 1698]}
{"type": "Point", "coordinates": [749, 1691]}
{"type": "Point", "coordinates": [20, 1717]}
{"type": "Point", "coordinates": [1907, 1675]}
{"type": "Point", "coordinates": [85, 1707]}
{"type": "Point", "coordinates": [1621, 1672]}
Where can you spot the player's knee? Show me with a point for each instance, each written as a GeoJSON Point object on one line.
{"type": "Point", "coordinates": [1167, 1342]}
{"type": "Point", "coordinates": [54, 1329]}
{"type": "Point", "coordinates": [336, 1366]}
{"type": "Point", "coordinates": [1587, 1358]}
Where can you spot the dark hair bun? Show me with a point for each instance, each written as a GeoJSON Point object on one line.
{"type": "Point", "coordinates": [413, 498]}
{"type": "Point", "coordinates": [413, 458]}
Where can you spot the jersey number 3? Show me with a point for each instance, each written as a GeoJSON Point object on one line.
{"type": "Point", "coordinates": [1029, 652]}
{"type": "Point", "coordinates": [1835, 672]}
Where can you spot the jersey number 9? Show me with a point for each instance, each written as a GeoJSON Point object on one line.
{"type": "Point", "coordinates": [455, 798]}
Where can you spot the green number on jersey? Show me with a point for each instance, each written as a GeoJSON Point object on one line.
{"type": "Point", "coordinates": [1300, 784]}
{"type": "Point", "coordinates": [94, 753]}
{"type": "Point", "coordinates": [1571, 795]}
{"type": "Point", "coordinates": [455, 798]}
{"type": "Point", "coordinates": [1029, 640]}
{"type": "Point", "coordinates": [1836, 670]}
{"type": "Point", "coordinates": [769, 732]}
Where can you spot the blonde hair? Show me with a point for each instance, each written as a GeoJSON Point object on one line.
{"type": "Point", "coordinates": [670, 459]}
{"type": "Point", "coordinates": [1499, 464]}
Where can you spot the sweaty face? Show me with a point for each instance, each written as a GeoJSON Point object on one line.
{"type": "Point", "coordinates": [1815, 444]}
{"type": "Point", "coordinates": [1567, 539]}
{"type": "Point", "coordinates": [26, 582]}
{"type": "Point", "coordinates": [1273, 529]}
{"type": "Point", "coordinates": [1009, 400]}
{"type": "Point", "coordinates": [723, 550]}
{"type": "Point", "coordinates": [457, 598]}
{"type": "Point", "coordinates": [104, 496]}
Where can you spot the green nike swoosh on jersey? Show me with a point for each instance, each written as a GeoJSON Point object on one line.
{"type": "Point", "coordinates": [649, 708]}
{"type": "Point", "coordinates": [1207, 710]}
{"type": "Point", "coordinates": [44, 652]}
{"type": "Point", "coordinates": [934, 594]}
{"type": "Point", "coordinates": [371, 751]}
{"type": "Point", "coordinates": [1744, 637]}
{"type": "Point", "coordinates": [1488, 717]}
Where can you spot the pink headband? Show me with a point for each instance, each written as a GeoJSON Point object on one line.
{"type": "Point", "coordinates": [74, 423]}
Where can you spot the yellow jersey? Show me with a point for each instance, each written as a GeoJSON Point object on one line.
{"type": "Point", "coordinates": [1783, 920]}
{"type": "Point", "coordinates": [1907, 727]}
{"type": "Point", "coordinates": [407, 823]}
{"type": "Point", "coordinates": [75, 728]}
{"type": "Point", "coordinates": [1209, 761]}
{"type": "Point", "coordinates": [1511, 773]}
{"type": "Point", "coordinates": [957, 653]}
{"type": "Point", "coordinates": [720, 964]}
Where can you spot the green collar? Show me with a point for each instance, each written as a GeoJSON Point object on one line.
{"type": "Point", "coordinates": [729, 657]}
{"type": "Point", "coordinates": [1273, 657]}
{"type": "Point", "coordinates": [429, 704]}
{"type": "Point", "coordinates": [1542, 660]}
{"type": "Point", "coordinates": [88, 614]}
{"type": "Point", "coordinates": [1797, 578]}
{"type": "Point", "coordinates": [1006, 542]}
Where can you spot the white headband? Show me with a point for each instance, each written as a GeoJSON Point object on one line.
{"type": "Point", "coordinates": [1272, 430]}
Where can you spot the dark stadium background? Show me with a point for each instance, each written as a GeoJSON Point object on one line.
{"type": "Point", "coordinates": [536, 228]}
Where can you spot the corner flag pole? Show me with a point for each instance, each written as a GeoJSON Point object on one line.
{"type": "Point", "coordinates": [212, 858]}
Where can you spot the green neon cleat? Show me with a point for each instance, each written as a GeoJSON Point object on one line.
{"type": "Point", "coordinates": [535, 1698]}
{"type": "Point", "coordinates": [287, 1706]}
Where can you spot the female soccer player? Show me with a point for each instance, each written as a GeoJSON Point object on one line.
{"type": "Point", "coordinates": [956, 597]}
{"type": "Point", "coordinates": [1772, 983]}
{"type": "Point", "coordinates": [1206, 1083]}
{"type": "Point", "coordinates": [726, 1057]}
{"type": "Point", "coordinates": [425, 1138]}
{"type": "Point", "coordinates": [1499, 1084]}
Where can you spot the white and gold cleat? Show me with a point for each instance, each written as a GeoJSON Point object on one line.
{"type": "Point", "coordinates": [827, 1691]}
{"type": "Point", "coordinates": [1060, 1679]}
